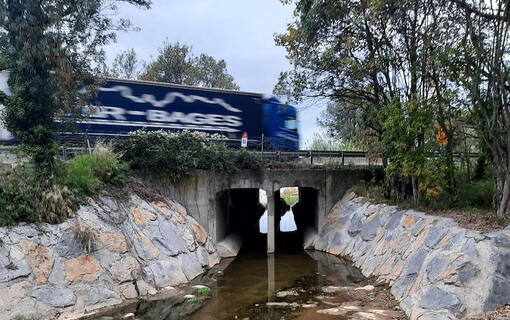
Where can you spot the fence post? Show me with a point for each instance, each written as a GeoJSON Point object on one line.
{"type": "Point", "coordinates": [88, 145]}
{"type": "Point", "coordinates": [343, 159]}
{"type": "Point", "coordinates": [262, 148]}
{"type": "Point", "coordinates": [311, 157]}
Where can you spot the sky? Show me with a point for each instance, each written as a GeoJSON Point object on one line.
{"type": "Point", "coordinates": [240, 32]}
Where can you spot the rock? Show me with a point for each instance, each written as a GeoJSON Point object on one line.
{"type": "Point", "coordinates": [179, 208]}
{"type": "Point", "coordinates": [501, 240]}
{"type": "Point", "coordinates": [82, 269]}
{"type": "Point", "coordinates": [416, 261]}
{"type": "Point", "coordinates": [123, 269]}
{"type": "Point", "coordinates": [58, 275]}
{"type": "Point", "coordinates": [146, 288]}
{"type": "Point", "coordinates": [356, 225]}
{"type": "Point", "coordinates": [435, 235]}
{"type": "Point", "coordinates": [166, 239]}
{"type": "Point", "coordinates": [164, 273]}
{"type": "Point", "coordinates": [128, 291]}
{"type": "Point", "coordinates": [114, 242]}
{"type": "Point", "coordinates": [466, 272]}
{"type": "Point", "coordinates": [68, 247]}
{"type": "Point", "coordinates": [142, 216]}
{"type": "Point", "coordinates": [436, 266]}
{"type": "Point", "coordinates": [200, 233]}
{"type": "Point", "coordinates": [503, 264]}
{"type": "Point", "coordinates": [285, 293]}
{"type": "Point", "coordinates": [190, 265]}
{"type": "Point", "coordinates": [145, 248]}
{"type": "Point", "coordinates": [409, 221]}
{"type": "Point", "coordinates": [498, 295]}
{"type": "Point", "coordinates": [438, 299]}
{"type": "Point", "coordinates": [10, 270]}
{"type": "Point", "coordinates": [40, 260]}
{"type": "Point", "coordinates": [365, 288]}
{"type": "Point", "coordinates": [100, 294]}
{"type": "Point", "coordinates": [163, 208]}
{"type": "Point", "coordinates": [13, 294]}
{"type": "Point", "coordinates": [369, 230]}
{"type": "Point", "coordinates": [55, 297]}
{"type": "Point", "coordinates": [203, 256]}
{"type": "Point", "coordinates": [402, 285]}
{"type": "Point", "coordinates": [469, 248]}
{"type": "Point", "coordinates": [395, 220]}
{"type": "Point", "coordinates": [333, 289]}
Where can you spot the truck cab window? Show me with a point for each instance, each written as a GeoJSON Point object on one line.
{"type": "Point", "coordinates": [291, 124]}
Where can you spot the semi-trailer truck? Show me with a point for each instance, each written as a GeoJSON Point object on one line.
{"type": "Point", "coordinates": [123, 106]}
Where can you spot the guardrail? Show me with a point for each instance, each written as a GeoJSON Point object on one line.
{"type": "Point", "coordinates": [309, 156]}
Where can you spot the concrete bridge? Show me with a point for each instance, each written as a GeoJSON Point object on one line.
{"type": "Point", "coordinates": [228, 204]}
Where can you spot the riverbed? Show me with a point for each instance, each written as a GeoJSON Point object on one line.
{"type": "Point", "coordinates": [296, 285]}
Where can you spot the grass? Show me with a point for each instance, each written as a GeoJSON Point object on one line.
{"type": "Point", "coordinates": [290, 196]}
{"type": "Point", "coordinates": [204, 291]}
{"type": "Point", "coordinates": [26, 197]}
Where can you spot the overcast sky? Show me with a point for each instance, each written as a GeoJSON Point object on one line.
{"type": "Point", "coordinates": [240, 32]}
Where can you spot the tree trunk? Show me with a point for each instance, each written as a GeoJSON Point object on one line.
{"type": "Point", "coordinates": [387, 180]}
{"type": "Point", "coordinates": [503, 206]}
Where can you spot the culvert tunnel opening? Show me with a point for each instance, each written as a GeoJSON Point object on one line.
{"type": "Point", "coordinates": [242, 217]}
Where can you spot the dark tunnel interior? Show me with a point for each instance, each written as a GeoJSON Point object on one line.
{"type": "Point", "coordinates": [239, 211]}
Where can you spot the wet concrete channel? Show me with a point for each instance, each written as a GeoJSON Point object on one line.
{"type": "Point", "coordinates": [292, 284]}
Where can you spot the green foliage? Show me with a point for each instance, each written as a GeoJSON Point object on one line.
{"type": "Point", "coordinates": [25, 197]}
{"type": "Point", "coordinates": [177, 64]}
{"type": "Point", "coordinates": [192, 300]}
{"type": "Point", "coordinates": [53, 48]}
{"type": "Point", "coordinates": [177, 154]}
{"type": "Point", "coordinates": [203, 291]}
{"type": "Point", "coordinates": [86, 173]}
{"type": "Point", "coordinates": [17, 192]}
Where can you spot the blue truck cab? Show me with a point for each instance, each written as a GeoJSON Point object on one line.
{"type": "Point", "coordinates": [280, 123]}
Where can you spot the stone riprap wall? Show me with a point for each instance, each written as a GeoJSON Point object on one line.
{"type": "Point", "coordinates": [90, 261]}
{"type": "Point", "coordinates": [436, 269]}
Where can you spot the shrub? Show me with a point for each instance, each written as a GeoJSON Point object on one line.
{"type": "Point", "coordinates": [175, 155]}
{"type": "Point", "coordinates": [17, 192]}
{"type": "Point", "coordinates": [85, 174]}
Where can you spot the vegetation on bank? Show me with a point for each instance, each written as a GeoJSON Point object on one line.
{"type": "Point", "coordinates": [414, 84]}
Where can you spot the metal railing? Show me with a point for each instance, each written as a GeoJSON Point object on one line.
{"type": "Point", "coordinates": [312, 157]}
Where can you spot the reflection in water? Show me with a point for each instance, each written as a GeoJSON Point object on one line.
{"type": "Point", "coordinates": [257, 286]}
{"type": "Point", "coordinates": [287, 222]}
{"type": "Point", "coordinates": [248, 283]}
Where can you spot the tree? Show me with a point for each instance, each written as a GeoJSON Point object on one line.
{"type": "Point", "coordinates": [54, 48]}
{"type": "Point", "coordinates": [485, 49]}
{"type": "Point", "coordinates": [177, 64]}
{"type": "Point", "coordinates": [126, 65]}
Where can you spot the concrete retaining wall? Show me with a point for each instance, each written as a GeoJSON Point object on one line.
{"type": "Point", "coordinates": [48, 270]}
{"type": "Point", "coordinates": [436, 269]}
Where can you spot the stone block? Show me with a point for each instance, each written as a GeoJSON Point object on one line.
{"type": "Point", "coordinates": [436, 266]}
{"type": "Point", "coordinates": [40, 260]}
{"type": "Point", "coordinates": [416, 261]}
{"type": "Point", "coordinates": [13, 294]}
{"type": "Point", "coordinates": [438, 299]}
{"type": "Point", "coordinates": [114, 242]}
{"type": "Point", "coordinates": [369, 229]}
{"type": "Point", "coordinates": [395, 220]}
{"type": "Point", "coordinates": [82, 269]}
{"type": "Point", "coordinates": [435, 235]}
{"type": "Point", "coordinates": [99, 295]}
{"type": "Point", "coordinates": [55, 297]}
{"type": "Point", "coordinates": [123, 269]}
{"type": "Point", "coordinates": [190, 265]}
{"type": "Point", "coordinates": [499, 294]}
{"type": "Point", "coordinates": [165, 273]}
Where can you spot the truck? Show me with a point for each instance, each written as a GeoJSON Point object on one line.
{"type": "Point", "coordinates": [123, 106]}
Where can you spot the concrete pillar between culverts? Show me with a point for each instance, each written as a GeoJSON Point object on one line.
{"type": "Point", "coordinates": [271, 207]}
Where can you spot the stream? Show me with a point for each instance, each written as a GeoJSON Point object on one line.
{"type": "Point", "coordinates": [290, 285]}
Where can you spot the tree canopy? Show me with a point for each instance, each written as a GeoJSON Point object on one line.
{"type": "Point", "coordinates": [401, 73]}
{"type": "Point", "coordinates": [177, 64]}
{"type": "Point", "coordinates": [53, 47]}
